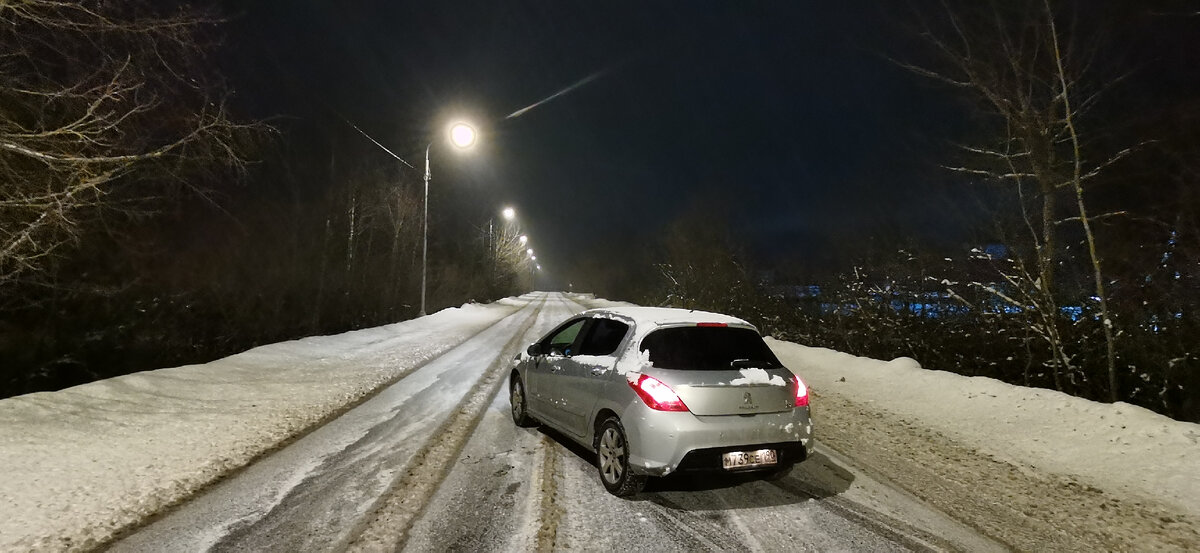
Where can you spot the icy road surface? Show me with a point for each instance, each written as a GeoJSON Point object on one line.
{"type": "Point", "coordinates": [433, 462]}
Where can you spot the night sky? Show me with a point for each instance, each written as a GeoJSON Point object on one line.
{"type": "Point", "coordinates": [788, 115]}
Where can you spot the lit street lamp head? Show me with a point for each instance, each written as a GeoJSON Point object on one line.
{"type": "Point", "coordinates": [509, 213]}
{"type": "Point", "coordinates": [462, 135]}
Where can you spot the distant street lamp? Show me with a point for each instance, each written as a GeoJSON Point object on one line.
{"type": "Point", "coordinates": [524, 239]}
{"type": "Point", "coordinates": [509, 214]}
{"type": "Point", "coordinates": [462, 136]}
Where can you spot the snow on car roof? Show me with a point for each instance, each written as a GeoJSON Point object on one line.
{"type": "Point", "coordinates": [656, 316]}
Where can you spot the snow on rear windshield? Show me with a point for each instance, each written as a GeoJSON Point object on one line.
{"type": "Point", "coordinates": [707, 348]}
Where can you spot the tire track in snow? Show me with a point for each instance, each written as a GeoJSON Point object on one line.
{"type": "Point", "coordinates": [550, 511]}
{"type": "Point", "coordinates": [307, 495]}
{"type": "Point", "coordinates": [121, 540]}
{"type": "Point", "coordinates": [880, 523]}
{"type": "Point", "coordinates": [500, 488]}
{"type": "Point", "coordinates": [392, 516]}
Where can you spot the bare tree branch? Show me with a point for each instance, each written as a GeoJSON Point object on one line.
{"type": "Point", "coordinates": [98, 112]}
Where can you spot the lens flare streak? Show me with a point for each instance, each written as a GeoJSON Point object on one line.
{"type": "Point", "coordinates": [566, 90]}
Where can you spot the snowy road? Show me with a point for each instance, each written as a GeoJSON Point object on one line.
{"type": "Point", "coordinates": [433, 462]}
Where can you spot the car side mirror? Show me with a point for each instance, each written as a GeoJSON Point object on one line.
{"type": "Point", "coordinates": [534, 350]}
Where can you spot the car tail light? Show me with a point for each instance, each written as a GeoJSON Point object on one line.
{"type": "Point", "coordinates": [711, 325]}
{"type": "Point", "coordinates": [801, 392]}
{"type": "Point", "coordinates": [658, 396]}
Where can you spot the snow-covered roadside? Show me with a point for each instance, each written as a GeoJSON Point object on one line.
{"type": "Point", "coordinates": [81, 464]}
{"type": "Point", "coordinates": [1116, 447]}
{"type": "Point", "coordinates": [592, 302]}
{"type": "Point", "coordinates": [1023, 466]}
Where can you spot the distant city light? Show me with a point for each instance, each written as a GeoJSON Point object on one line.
{"type": "Point", "coordinates": [509, 213]}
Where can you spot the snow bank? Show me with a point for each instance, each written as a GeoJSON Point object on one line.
{"type": "Point", "coordinates": [592, 302]}
{"type": "Point", "coordinates": [1117, 447]}
{"type": "Point", "coordinates": [83, 463]}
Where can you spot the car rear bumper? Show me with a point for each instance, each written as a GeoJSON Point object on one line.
{"type": "Point", "coordinates": [662, 443]}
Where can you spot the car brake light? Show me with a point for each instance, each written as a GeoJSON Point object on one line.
{"type": "Point", "coordinates": [658, 396]}
{"type": "Point", "coordinates": [801, 392]}
{"type": "Point", "coordinates": [712, 325]}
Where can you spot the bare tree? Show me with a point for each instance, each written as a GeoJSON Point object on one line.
{"type": "Point", "coordinates": [1076, 182]}
{"type": "Point", "coordinates": [510, 261]}
{"type": "Point", "coordinates": [403, 216]}
{"type": "Point", "coordinates": [101, 107]}
{"type": "Point", "coordinates": [702, 267]}
{"type": "Point", "coordinates": [1011, 57]}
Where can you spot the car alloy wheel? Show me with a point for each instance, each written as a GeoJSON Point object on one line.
{"type": "Point", "coordinates": [613, 452]}
{"type": "Point", "coordinates": [517, 400]}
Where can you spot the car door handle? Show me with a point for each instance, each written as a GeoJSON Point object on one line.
{"type": "Point", "coordinates": [555, 368]}
{"type": "Point", "coordinates": [597, 371]}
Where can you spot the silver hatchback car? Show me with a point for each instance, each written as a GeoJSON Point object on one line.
{"type": "Point", "coordinates": [654, 391]}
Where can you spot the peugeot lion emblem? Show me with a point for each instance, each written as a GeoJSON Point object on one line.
{"type": "Point", "coordinates": [746, 399]}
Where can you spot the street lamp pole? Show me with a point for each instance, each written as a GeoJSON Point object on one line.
{"type": "Point", "coordinates": [462, 136]}
{"type": "Point", "coordinates": [425, 233]}
{"type": "Point", "coordinates": [493, 252]}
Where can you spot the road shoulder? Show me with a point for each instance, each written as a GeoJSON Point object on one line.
{"type": "Point", "coordinates": [1017, 505]}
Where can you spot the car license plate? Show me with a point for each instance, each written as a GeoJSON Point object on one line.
{"type": "Point", "coordinates": [749, 459]}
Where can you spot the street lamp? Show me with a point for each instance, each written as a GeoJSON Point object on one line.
{"type": "Point", "coordinates": [462, 136]}
{"type": "Point", "coordinates": [509, 213]}
{"type": "Point", "coordinates": [524, 239]}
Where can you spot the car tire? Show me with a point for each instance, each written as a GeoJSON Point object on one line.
{"type": "Point", "coordinates": [520, 408]}
{"type": "Point", "coordinates": [612, 460]}
{"type": "Point", "coordinates": [779, 473]}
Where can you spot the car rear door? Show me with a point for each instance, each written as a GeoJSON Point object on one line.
{"type": "Point", "coordinates": [586, 372]}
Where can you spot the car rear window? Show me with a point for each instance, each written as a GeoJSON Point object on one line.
{"type": "Point", "coordinates": [604, 337]}
{"type": "Point", "coordinates": [708, 348]}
